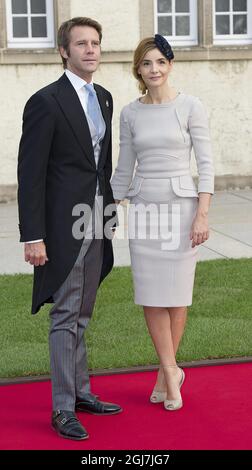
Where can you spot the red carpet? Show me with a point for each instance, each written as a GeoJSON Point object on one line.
{"type": "Point", "coordinates": [217, 414]}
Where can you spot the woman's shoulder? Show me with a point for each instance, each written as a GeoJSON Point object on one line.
{"type": "Point", "coordinates": [190, 99]}
{"type": "Point", "coordinates": [129, 109]}
{"type": "Point", "coordinates": [191, 102]}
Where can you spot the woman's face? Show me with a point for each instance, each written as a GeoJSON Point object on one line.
{"type": "Point", "coordinates": [154, 69]}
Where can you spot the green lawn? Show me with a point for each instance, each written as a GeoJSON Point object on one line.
{"type": "Point", "coordinates": [219, 324]}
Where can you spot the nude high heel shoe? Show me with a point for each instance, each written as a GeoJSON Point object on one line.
{"type": "Point", "coordinates": [173, 405]}
{"type": "Point", "coordinates": [158, 397]}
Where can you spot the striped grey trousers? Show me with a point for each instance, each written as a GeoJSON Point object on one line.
{"type": "Point", "coordinates": [72, 310]}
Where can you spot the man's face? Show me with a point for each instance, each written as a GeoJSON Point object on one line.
{"type": "Point", "coordinates": [84, 52]}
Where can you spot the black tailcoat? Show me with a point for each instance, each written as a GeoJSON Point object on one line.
{"type": "Point", "coordinates": [56, 171]}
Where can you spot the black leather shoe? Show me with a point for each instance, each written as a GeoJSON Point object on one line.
{"type": "Point", "coordinates": [90, 404]}
{"type": "Point", "coordinates": [67, 425]}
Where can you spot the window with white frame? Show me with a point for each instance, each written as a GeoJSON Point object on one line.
{"type": "Point", "coordinates": [177, 21]}
{"type": "Point", "coordinates": [30, 23]}
{"type": "Point", "coordinates": [232, 22]}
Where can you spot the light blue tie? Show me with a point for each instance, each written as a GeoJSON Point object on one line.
{"type": "Point", "coordinates": [93, 108]}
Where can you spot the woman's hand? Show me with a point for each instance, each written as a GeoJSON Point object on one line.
{"type": "Point", "coordinates": [200, 230]}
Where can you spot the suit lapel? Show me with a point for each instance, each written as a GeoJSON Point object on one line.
{"type": "Point", "coordinates": [104, 104]}
{"type": "Point", "coordinates": [73, 111]}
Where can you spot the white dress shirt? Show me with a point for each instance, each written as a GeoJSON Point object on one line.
{"type": "Point", "coordinates": [79, 84]}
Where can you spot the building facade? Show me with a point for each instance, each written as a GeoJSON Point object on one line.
{"type": "Point", "coordinates": [212, 42]}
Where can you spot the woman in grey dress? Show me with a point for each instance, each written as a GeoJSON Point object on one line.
{"type": "Point", "coordinates": [168, 215]}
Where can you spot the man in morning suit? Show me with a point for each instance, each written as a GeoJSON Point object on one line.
{"type": "Point", "coordinates": [64, 166]}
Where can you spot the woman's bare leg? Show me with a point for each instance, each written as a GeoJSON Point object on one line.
{"type": "Point", "coordinates": [178, 317]}
{"type": "Point", "coordinates": [166, 327]}
{"type": "Point", "coordinates": [159, 325]}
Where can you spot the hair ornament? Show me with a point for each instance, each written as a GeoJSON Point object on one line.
{"type": "Point", "coordinates": [164, 46]}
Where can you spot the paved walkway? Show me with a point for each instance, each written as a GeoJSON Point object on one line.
{"type": "Point", "coordinates": [230, 222]}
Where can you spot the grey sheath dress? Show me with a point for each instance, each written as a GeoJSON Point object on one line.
{"type": "Point", "coordinates": [153, 172]}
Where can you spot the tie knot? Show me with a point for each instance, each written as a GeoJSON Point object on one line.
{"type": "Point", "coordinates": [90, 88]}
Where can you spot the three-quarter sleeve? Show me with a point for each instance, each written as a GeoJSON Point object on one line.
{"type": "Point", "coordinates": [200, 135]}
{"type": "Point", "coordinates": [122, 177]}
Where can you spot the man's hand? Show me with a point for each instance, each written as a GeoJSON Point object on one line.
{"type": "Point", "coordinates": [35, 253]}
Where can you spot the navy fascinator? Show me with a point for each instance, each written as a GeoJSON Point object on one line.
{"type": "Point", "coordinates": [164, 46]}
